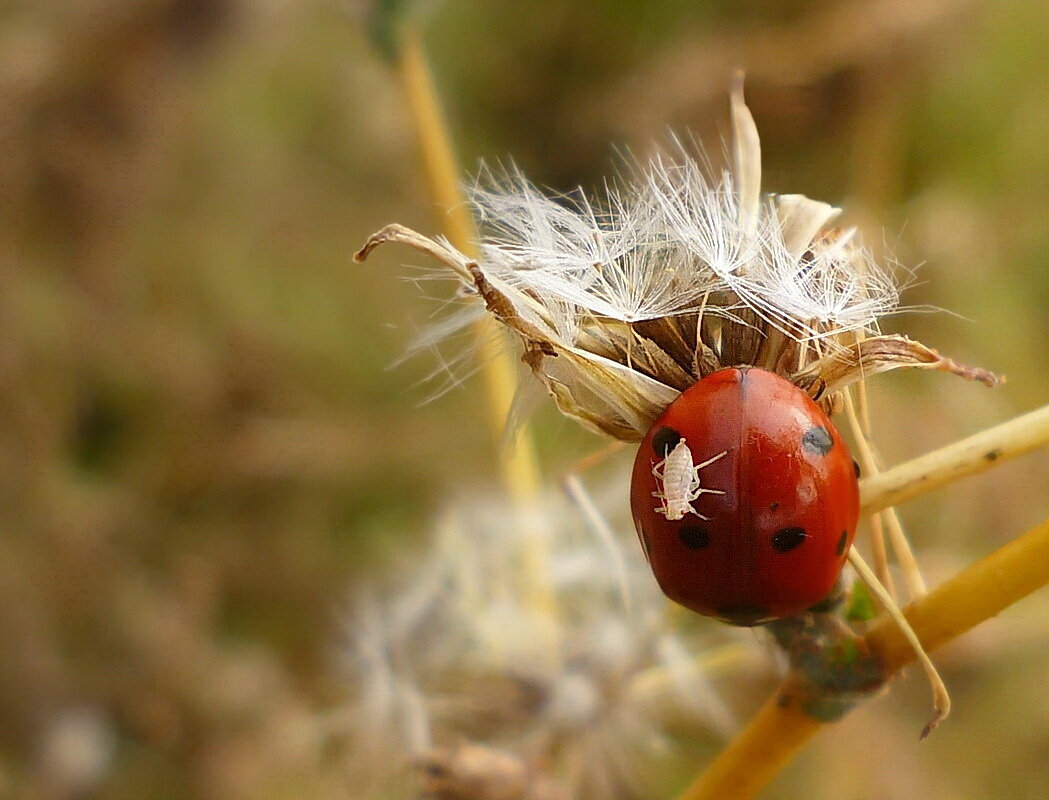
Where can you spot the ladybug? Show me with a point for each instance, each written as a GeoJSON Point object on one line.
{"type": "Point", "coordinates": [745, 498]}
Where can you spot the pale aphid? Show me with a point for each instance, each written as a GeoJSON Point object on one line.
{"type": "Point", "coordinates": [678, 478]}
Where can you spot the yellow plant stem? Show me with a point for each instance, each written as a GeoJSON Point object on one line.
{"type": "Point", "coordinates": [877, 525]}
{"type": "Point", "coordinates": [769, 742]}
{"type": "Point", "coordinates": [861, 424]}
{"type": "Point", "coordinates": [431, 132]}
{"type": "Point", "coordinates": [975, 594]}
{"type": "Point", "coordinates": [518, 465]}
{"type": "Point", "coordinates": [912, 575]}
{"type": "Point", "coordinates": [966, 457]}
{"type": "Point", "coordinates": [880, 554]}
{"type": "Point", "coordinates": [780, 729]}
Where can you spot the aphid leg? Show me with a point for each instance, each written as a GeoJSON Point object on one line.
{"type": "Point", "coordinates": [659, 469]}
{"type": "Point", "coordinates": [661, 509]}
{"type": "Point", "coordinates": [941, 699]}
{"type": "Point", "coordinates": [692, 510]}
{"type": "Point", "coordinates": [696, 489]}
{"type": "Point", "coordinates": [707, 463]}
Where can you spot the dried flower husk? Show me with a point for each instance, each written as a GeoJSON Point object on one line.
{"type": "Point", "coordinates": [620, 308]}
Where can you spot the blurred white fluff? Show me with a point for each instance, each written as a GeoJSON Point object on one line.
{"type": "Point", "coordinates": [468, 644]}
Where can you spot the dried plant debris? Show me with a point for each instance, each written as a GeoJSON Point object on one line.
{"type": "Point", "coordinates": [473, 772]}
{"type": "Point", "coordinates": [468, 688]}
{"type": "Point", "coordinates": [622, 305]}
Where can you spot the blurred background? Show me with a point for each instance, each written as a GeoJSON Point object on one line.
{"type": "Point", "coordinates": [203, 447]}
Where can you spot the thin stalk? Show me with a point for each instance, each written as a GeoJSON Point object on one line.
{"type": "Point", "coordinates": [880, 555]}
{"type": "Point", "coordinates": [941, 699]}
{"type": "Point", "coordinates": [869, 461]}
{"type": "Point", "coordinates": [780, 730]}
{"type": "Point", "coordinates": [658, 683]}
{"type": "Point", "coordinates": [976, 594]}
{"type": "Point", "coordinates": [859, 422]}
{"type": "Point", "coordinates": [517, 461]}
{"type": "Point", "coordinates": [958, 460]}
{"type": "Point", "coordinates": [912, 574]}
{"type": "Point", "coordinates": [431, 132]}
{"type": "Point", "coordinates": [599, 526]}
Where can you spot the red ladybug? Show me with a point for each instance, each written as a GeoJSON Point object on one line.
{"type": "Point", "coordinates": [745, 498]}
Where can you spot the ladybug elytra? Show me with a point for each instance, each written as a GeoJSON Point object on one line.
{"type": "Point", "coordinates": [745, 498]}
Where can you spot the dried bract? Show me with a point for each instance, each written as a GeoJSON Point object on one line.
{"type": "Point", "coordinates": [621, 305]}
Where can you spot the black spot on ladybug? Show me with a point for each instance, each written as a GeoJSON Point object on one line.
{"type": "Point", "coordinates": [743, 615]}
{"type": "Point", "coordinates": [856, 467]}
{"type": "Point", "coordinates": [693, 537]}
{"type": "Point", "coordinates": [840, 549]}
{"type": "Point", "coordinates": [786, 539]}
{"type": "Point", "coordinates": [818, 440]}
{"type": "Point", "coordinates": [773, 507]}
{"type": "Point", "coordinates": [665, 440]}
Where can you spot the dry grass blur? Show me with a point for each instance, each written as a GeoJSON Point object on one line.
{"type": "Point", "coordinates": [202, 447]}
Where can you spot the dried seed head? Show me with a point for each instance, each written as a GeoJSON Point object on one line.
{"type": "Point", "coordinates": [677, 272]}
